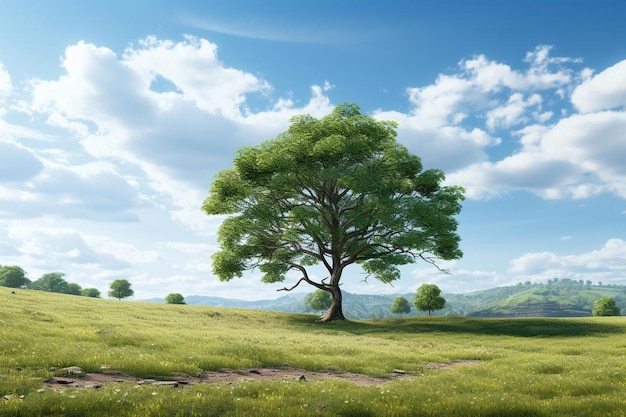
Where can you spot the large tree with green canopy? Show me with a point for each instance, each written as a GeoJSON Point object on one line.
{"type": "Point", "coordinates": [334, 191]}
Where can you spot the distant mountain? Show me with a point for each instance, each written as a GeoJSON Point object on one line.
{"type": "Point", "coordinates": [558, 298]}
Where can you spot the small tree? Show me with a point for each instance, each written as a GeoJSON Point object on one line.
{"type": "Point", "coordinates": [428, 298]}
{"type": "Point", "coordinates": [73, 289]}
{"type": "Point", "coordinates": [13, 277]}
{"type": "Point", "coordinates": [51, 282]}
{"type": "Point", "coordinates": [318, 300]}
{"type": "Point", "coordinates": [605, 306]}
{"type": "Point", "coordinates": [400, 305]}
{"type": "Point", "coordinates": [90, 292]}
{"type": "Point", "coordinates": [175, 298]}
{"type": "Point", "coordinates": [120, 288]}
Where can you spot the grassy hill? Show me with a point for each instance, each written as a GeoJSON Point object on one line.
{"type": "Point", "coordinates": [421, 366]}
{"type": "Point", "coordinates": [563, 298]}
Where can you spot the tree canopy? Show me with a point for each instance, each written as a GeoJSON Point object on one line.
{"type": "Point", "coordinates": [52, 282]}
{"type": "Point", "coordinates": [318, 300]}
{"type": "Point", "coordinates": [175, 298]}
{"type": "Point", "coordinates": [90, 292]}
{"type": "Point", "coordinates": [334, 191]}
{"type": "Point", "coordinates": [120, 288]}
{"type": "Point", "coordinates": [428, 298]}
{"type": "Point", "coordinates": [400, 305]}
{"type": "Point", "coordinates": [13, 276]}
{"type": "Point", "coordinates": [605, 306]}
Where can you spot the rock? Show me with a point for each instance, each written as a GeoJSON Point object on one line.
{"type": "Point", "coordinates": [65, 381]}
{"type": "Point", "coordinates": [172, 384]}
{"type": "Point", "coordinates": [146, 381]}
{"type": "Point", "coordinates": [72, 370]}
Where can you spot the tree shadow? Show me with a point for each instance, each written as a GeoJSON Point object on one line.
{"type": "Point", "coordinates": [521, 327]}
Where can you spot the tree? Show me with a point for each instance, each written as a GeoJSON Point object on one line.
{"type": "Point", "coordinates": [335, 191]}
{"type": "Point", "coordinates": [90, 292]}
{"type": "Point", "coordinates": [120, 288]}
{"type": "Point", "coordinates": [318, 300]}
{"type": "Point", "coordinates": [13, 277]}
{"type": "Point", "coordinates": [73, 289]}
{"type": "Point", "coordinates": [51, 282]}
{"type": "Point", "coordinates": [428, 298]}
{"type": "Point", "coordinates": [605, 306]}
{"type": "Point", "coordinates": [400, 305]}
{"type": "Point", "coordinates": [175, 298]}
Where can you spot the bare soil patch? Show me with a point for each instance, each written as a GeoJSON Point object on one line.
{"type": "Point", "coordinates": [229, 376]}
{"type": "Point", "coordinates": [222, 376]}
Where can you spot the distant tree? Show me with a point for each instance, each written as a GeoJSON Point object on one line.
{"type": "Point", "coordinates": [13, 277]}
{"type": "Point", "coordinates": [400, 305]}
{"type": "Point", "coordinates": [429, 298]}
{"type": "Point", "coordinates": [90, 292]}
{"type": "Point", "coordinates": [175, 298]}
{"type": "Point", "coordinates": [588, 282]}
{"type": "Point", "coordinates": [318, 300]}
{"type": "Point", "coordinates": [51, 282]}
{"type": "Point", "coordinates": [73, 289]}
{"type": "Point", "coordinates": [605, 306]}
{"type": "Point", "coordinates": [120, 288]}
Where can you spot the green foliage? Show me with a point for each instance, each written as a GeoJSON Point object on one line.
{"type": "Point", "coordinates": [90, 292]}
{"type": "Point", "coordinates": [335, 191]}
{"type": "Point", "coordinates": [428, 298]}
{"type": "Point", "coordinates": [318, 300]}
{"type": "Point", "coordinates": [73, 289]}
{"type": "Point", "coordinates": [605, 306]}
{"type": "Point", "coordinates": [13, 277]}
{"type": "Point", "coordinates": [120, 288]}
{"type": "Point", "coordinates": [52, 282]}
{"type": "Point", "coordinates": [400, 305]}
{"type": "Point", "coordinates": [175, 298]}
{"type": "Point", "coordinates": [576, 370]}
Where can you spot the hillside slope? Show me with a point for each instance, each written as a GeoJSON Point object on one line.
{"type": "Point", "coordinates": [560, 298]}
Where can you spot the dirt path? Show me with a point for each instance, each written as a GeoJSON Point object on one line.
{"type": "Point", "coordinates": [229, 376]}
{"type": "Point", "coordinates": [223, 376]}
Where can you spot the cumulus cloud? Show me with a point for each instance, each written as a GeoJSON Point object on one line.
{"type": "Point", "coordinates": [458, 122]}
{"type": "Point", "coordinates": [178, 136]}
{"type": "Point", "coordinates": [17, 163]}
{"type": "Point", "coordinates": [606, 90]}
{"type": "Point", "coordinates": [607, 264]}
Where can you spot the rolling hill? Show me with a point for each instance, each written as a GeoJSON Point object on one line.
{"type": "Point", "coordinates": [558, 298]}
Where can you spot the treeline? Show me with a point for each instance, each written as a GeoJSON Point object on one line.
{"type": "Point", "coordinates": [15, 277]}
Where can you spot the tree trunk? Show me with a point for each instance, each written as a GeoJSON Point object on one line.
{"type": "Point", "coordinates": [335, 312]}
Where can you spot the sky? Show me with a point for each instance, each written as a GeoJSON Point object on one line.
{"type": "Point", "coordinates": [115, 117]}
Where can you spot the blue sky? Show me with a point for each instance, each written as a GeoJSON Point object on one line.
{"type": "Point", "coordinates": [114, 118]}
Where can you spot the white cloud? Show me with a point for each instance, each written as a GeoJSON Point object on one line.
{"type": "Point", "coordinates": [607, 264]}
{"type": "Point", "coordinates": [6, 88]}
{"type": "Point", "coordinates": [17, 163]}
{"type": "Point", "coordinates": [606, 90]}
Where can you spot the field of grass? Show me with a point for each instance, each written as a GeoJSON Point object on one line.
{"type": "Point", "coordinates": [527, 367]}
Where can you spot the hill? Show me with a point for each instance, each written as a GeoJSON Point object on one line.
{"type": "Point", "coordinates": [558, 298]}
{"type": "Point", "coordinates": [64, 355]}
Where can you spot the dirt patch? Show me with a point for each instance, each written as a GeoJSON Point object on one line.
{"type": "Point", "coordinates": [229, 376]}
{"type": "Point", "coordinates": [223, 376]}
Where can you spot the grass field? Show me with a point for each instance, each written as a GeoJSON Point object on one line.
{"type": "Point", "coordinates": [523, 367]}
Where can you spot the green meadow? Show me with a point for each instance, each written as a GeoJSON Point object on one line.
{"type": "Point", "coordinates": [502, 367]}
